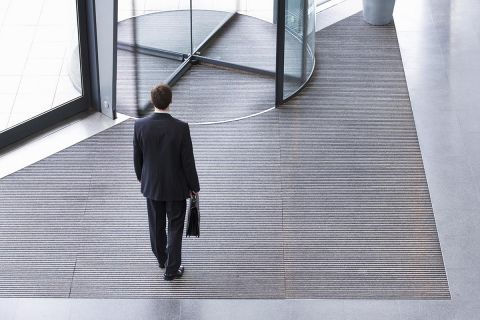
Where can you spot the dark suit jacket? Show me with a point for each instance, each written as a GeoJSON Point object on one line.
{"type": "Point", "coordinates": [163, 158]}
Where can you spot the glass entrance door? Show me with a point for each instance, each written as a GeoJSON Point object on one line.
{"type": "Point", "coordinates": [43, 65]}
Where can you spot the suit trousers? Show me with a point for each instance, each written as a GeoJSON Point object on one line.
{"type": "Point", "coordinates": [167, 247]}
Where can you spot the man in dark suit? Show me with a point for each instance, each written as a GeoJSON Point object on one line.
{"type": "Point", "coordinates": [165, 166]}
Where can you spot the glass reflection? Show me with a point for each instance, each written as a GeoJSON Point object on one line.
{"type": "Point", "coordinates": [240, 34]}
{"type": "Point", "coordinates": [39, 60]}
{"type": "Point", "coordinates": [153, 38]}
{"type": "Point", "coordinates": [299, 49]}
{"type": "Point", "coordinates": [249, 38]}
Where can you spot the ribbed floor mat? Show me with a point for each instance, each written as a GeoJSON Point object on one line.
{"type": "Point", "coordinates": [325, 197]}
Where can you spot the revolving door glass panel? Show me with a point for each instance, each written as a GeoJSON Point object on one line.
{"type": "Point", "coordinates": [299, 45]}
{"type": "Point", "coordinates": [163, 26]}
{"type": "Point", "coordinates": [153, 41]}
{"type": "Point", "coordinates": [248, 38]}
{"type": "Point", "coordinates": [209, 19]}
{"type": "Point", "coordinates": [167, 38]}
{"type": "Point", "coordinates": [170, 27]}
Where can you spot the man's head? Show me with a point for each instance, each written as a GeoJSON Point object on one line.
{"type": "Point", "coordinates": [161, 96]}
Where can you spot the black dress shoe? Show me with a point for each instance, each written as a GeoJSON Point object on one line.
{"type": "Point", "coordinates": [172, 276]}
{"type": "Point", "coordinates": [161, 265]}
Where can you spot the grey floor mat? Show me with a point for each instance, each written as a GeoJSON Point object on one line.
{"type": "Point", "coordinates": [325, 197]}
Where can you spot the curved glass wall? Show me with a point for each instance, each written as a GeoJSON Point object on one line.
{"type": "Point", "coordinates": [299, 42]}
{"type": "Point", "coordinates": [238, 34]}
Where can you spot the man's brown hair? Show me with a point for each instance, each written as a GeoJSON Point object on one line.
{"type": "Point", "coordinates": [161, 96]}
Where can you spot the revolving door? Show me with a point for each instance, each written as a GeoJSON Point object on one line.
{"type": "Point", "coordinates": [273, 39]}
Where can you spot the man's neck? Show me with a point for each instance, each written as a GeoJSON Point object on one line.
{"type": "Point", "coordinates": [162, 111]}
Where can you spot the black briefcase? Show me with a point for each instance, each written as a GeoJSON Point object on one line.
{"type": "Point", "coordinates": [193, 222]}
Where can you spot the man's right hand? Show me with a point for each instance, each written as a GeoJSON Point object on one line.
{"type": "Point", "coordinates": [193, 194]}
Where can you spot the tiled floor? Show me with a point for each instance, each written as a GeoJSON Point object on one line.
{"type": "Point", "coordinates": [259, 9]}
{"type": "Point", "coordinates": [439, 41]}
{"type": "Point", "coordinates": [37, 38]}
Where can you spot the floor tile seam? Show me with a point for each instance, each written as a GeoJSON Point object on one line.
{"type": "Point", "coordinates": [52, 106]}
{"type": "Point", "coordinates": [21, 79]}
{"type": "Point", "coordinates": [282, 205]}
{"type": "Point", "coordinates": [448, 77]}
{"type": "Point", "coordinates": [26, 62]}
{"type": "Point", "coordinates": [441, 48]}
{"type": "Point", "coordinates": [437, 236]}
{"type": "Point", "coordinates": [458, 122]}
{"type": "Point", "coordinates": [471, 164]}
{"type": "Point", "coordinates": [73, 277]}
{"type": "Point", "coordinates": [18, 87]}
{"type": "Point", "coordinates": [81, 222]}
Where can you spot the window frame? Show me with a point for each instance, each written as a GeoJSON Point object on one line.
{"type": "Point", "coordinates": [66, 110]}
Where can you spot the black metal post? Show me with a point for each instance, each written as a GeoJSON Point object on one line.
{"type": "Point", "coordinates": [304, 39]}
{"type": "Point", "coordinates": [191, 28]}
{"type": "Point", "coordinates": [154, 52]}
{"type": "Point", "coordinates": [179, 72]}
{"type": "Point", "coordinates": [275, 11]}
{"type": "Point", "coordinates": [280, 53]}
{"type": "Point", "coordinates": [212, 35]}
{"type": "Point", "coordinates": [231, 65]}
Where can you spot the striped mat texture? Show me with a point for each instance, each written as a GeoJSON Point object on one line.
{"type": "Point", "coordinates": [325, 197]}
